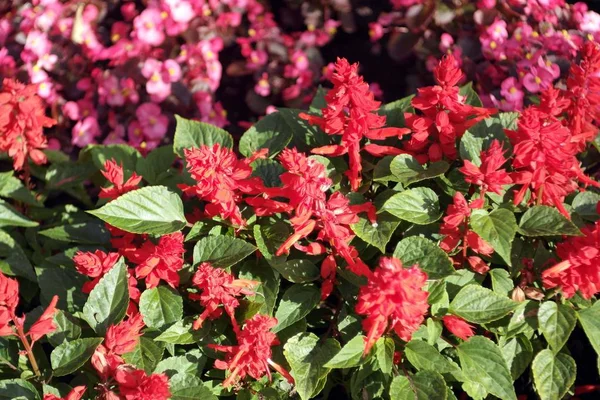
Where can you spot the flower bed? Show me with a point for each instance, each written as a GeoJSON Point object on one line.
{"type": "Point", "coordinates": [431, 247]}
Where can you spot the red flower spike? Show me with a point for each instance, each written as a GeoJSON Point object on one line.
{"type": "Point", "coordinates": [94, 265]}
{"type": "Point", "coordinates": [328, 273]}
{"type": "Point", "coordinates": [114, 174]}
{"type": "Point", "coordinates": [219, 288]}
{"type": "Point", "coordinates": [392, 298]}
{"type": "Point", "coordinates": [45, 323]}
{"type": "Point", "coordinates": [135, 384]}
{"type": "Point", "coordinates": [75, 394]}
{"type": "Point", "coordinates": [160, 261]}
{"type": "Point", "coordinates": [22, 123]}
{"type": "Point", "coordinates": [123, 337]}
{"type": "Point", "coordinates": [9, 293]}
{"type": "Point", "coordinates": [252, 355]}
{"type": "Point", "coordinates": [5, 320]}
{"type": "Point", "coordinates": [458, 327]}
{"type": "Point", "coordinates": [489, 175]}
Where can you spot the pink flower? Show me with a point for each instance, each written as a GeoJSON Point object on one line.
{"type": "Point", "coordinates": [497, 31]}
{"type": "Point", "coordinates": [85, 132]}
{"type": "Point", "coordinates": [149, 27]}
{"type": "Point", "coordinates": [160, 75]}
{"type": "Point", "coordinates": [262, 87]}
{"type": "Point", "coordinates": [537, 79]}
{"type": "Point", "coordinates": [300, 60]}
{"type": "Point", "coordinates": [154, 124]}
{"type": "Point", "coordinates": [376, 31]}
{"type": "Point", "coordinates": [110, 92]}
{"type": "Point", "coordinates": [511, 90]}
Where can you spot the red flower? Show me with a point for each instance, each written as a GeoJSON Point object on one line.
{"type": "Point", "coordinates": [94, 265]}
{"type": "Point", "coordinates": [75, 394]}
{"type": "Point", "coordinates": [219, 288]}
{"type": "Point", "coordinates": [458, 326]}
{"type": "Point", "coordinates": [489, 175]}
{"type": "Point", "coordinates": [252, 355]}
{"type": "Point", "coordinates": [9, 293]}
{"type": "Point", "coordinates": [123, 337]}
{"type": "Point", "coordinates": [134, 384]}
{"type": "Point", "coordinates": [222, 179]}
{"type": "Point", "coordinates": [393, 296]}
{"type": "Point", "coordinates": [579, 269]}
{"type": "Point", "coordinates": [114, 174]}
{"type": "Point", "coordinates": [351, 113]}
{"type": "Point", "coordinates": [22, 122]}
{"type": "Point", "coordinates": [45, 323]}
{"type": "Point", "coordinates": [160, 261]}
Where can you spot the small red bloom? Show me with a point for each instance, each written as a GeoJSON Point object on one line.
{"type": "Point", "coordinates": [134, 384]}
{"type": "Point", "coordinates": [219, 288]}
{"type": "Point", "coordinates": [394, 297]}
{"type": "Point", "coordinates": [22, 122]}
{"type": "Point", "coordinates": [9, 293]}
{"type": "Point", "coordinates": [114, 174]}
{"type": "Point", "coordinates": [75, 394]}
{"type": "Point", "coordinates": [123, 337]}
{"type": "Point", "coordinates": [160, 261]}
{"type": "Point", "coordinates": [45, 323]}
{"type": "Point", "coordinates": [490, 175]}
{"type": "Point", "coordinates": [252, 355]}
{"type": "Point", "coordinates": [458, 326]}
{"type": "Point", "coordinates": [222, 179]}
{"type": "Point", "coordinates": [94, 265]}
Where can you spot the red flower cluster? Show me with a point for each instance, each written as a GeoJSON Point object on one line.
{"type": "Point", "coordinates": [161, 261]}
{"type": "Point", "coordinates": [446, 116]}
{"type": "Point", "coordinates": [113, 172]}
{"type": "Point", "coordinates": [490, 175]}
{"type": "Point", "coordinates": [393, 296]}
{"type": "Point", "coordinates": [222, 179]}
{"type": "Point", "coordinates": [456, 229]}
{"type": "Point", "coordinates": [458, 326]}
{"type": "Point", "coordinates": [135, 384]}
{"type": "Point", "coordinates": [219, 288]}
{"type": "Point", "coordinates": [252, 355]}
{"type": "Point", "coordinates": [579, 269]}
{"type": "Point", "coordinates": [22, 123]}
{"type": "Point", "coordinates": [351, 114]}
{"type": "Point", "coordinates": [75, 394]}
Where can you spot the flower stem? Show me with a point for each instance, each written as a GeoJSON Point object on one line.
{"type": "Point", "coordinates": [27, 345]}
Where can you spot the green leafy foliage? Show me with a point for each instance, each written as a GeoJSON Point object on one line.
{"type": "Point", "coordinates": [546, 221]}
{"type": "Point", "coordinates": [194, 134]}
{"type": "Point", "coordinates": [221, 251]}
{"type": "Point", "coordinates": [424, 253]}
{"type": "Point", "coordinates": [419, 206]}
{"type": "Point", "coordinates": [498, 228]}
{"type": "Point", "coordinates": [553, 374]}
{"type": "Point", "coordinates": [161, 306]}
{"type": "Point", "coordinates": [480, 305]}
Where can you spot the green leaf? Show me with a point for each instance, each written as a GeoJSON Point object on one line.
{"type": "Point", "coordinates": [63, 282]}
{"type": "Point", "coordinates": [161, 306]}
{"type": "Point", "coordinates": [438, 298]}
{"type": "Point", "coordinates": [518, 353]}
{"type": "Point", "coordinates": [472, 98]}
{"type": "Point", "coordinates": [191, 363]}
{"type": "Point", "coordinates": [182, 332]}
{"type": "Point", "coordinates": [394, 111]}
{"type": "Point", "coordinates": [189, 387]}
{"type": "Point", "coordinates": [424, 385]}
{"type": "Point", "coordinates": [318, 102]}
{"type": "Point", "coordinates": [377, 235]}
{"type": "Point", "coordinates": [590, 322]}
{"type": "Point", "coordinates": [11, 217]}
{"type": "Point", "coordinates": [125, 155]}
{"type": "Point", "coordinates": [585, 203]}
{"type": "Point", "coordinates": [108, 301]}
{"type": "Point", "coordinates": [153, 209]}
{"type": "Point", "coordinates": [384, 352]}
{"type": "Point", "coordinates": [90, 232]}
{"type": "Point", "coordinates": [13, 188]}
{"type": "Point", "coordinates": [480, 136]}
{"type": "Point", "coordinates": [146, 355]}
{"type": "Point", "coordinates": [407, 170]}
{"type": "Point", "coordinates": [298, 271]}
{"type": "Point", "coordinates": [154, 168]}
{"type": "Point", "coordinates": [480, 305]}
{"type": "Point", "coordinates": [193, 134]}
{"type": "Point", "coordinates": [18, 389]}
{"type": "Point", "coordinates": [419, 205]}
{"type": "Point", "coordinates": [553, 374]}
{"type": "Point", "coordinates": [498, 228]}
{"type": "Point", "coordinates": [268, 171]}
{"type": "Point", "coordinates": [295, 304]}
{"type": "Point", "coordinates": [222, 251]}
{"type": "Point", "coordinates": [501, 282]}
{"type": "Point", "coordinates": [305, 135]}
{"type": "Point", "coordinates": [556, 321]}
{"type": "Point", "coordinates": [546, 221]}
{"type": "Point", "coordinates": [307, 356]}
{"type": "Point", "coordinates": [70, 356]}
{"type": "Point", "coordinates": [482, 362]}
{"type": "Point", "coordinates": [425, 357]}
{"type": "Point", "coordinates": [270, 132]}
{"type": "Point", "coordinates": [426, 254]}
{"type": "Point", "coordinates": [350, 355]}
{"type": "Point", "coordinates": [67, 328]}
{"type": "Point", "coordinates": [13, 261]}
{"type": "Point", "coordinates": [524, 320]}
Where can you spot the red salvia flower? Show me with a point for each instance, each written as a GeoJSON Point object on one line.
{"type": "Point", "coordinates": [45, 323]}
{"type": "Point", "coordinates": [114, 174]}
{"type": "Point", "coordinates": [252, 355]}
{"type": "Point", "coordinates": [490, 175]}
{"type": "Point", "coordinates": [123, 337]}
{"type": "Point", "coordinates": [160, 261]}
{"type": "Point", "coordinates": [219, 288]}
{"type": "Point", "coordinates": [579, 269]}
{"type": "Point", "coordinates": [22, 122]}
{"type": "Point", "coordinates": [135, 384]}
{"type": "Point", "coordinates": [9, 299]}
{"type": "Point", "coordinates": [94, 265]}
{"type": "Point", "coordinates": [351, 113]}
{"type": "Point", "coordinates": [222, 179]}
{"type": "Point", "coordinates": [392, 298]}
{"type": "Point", "coordinates": [458, 326]}
{"type": "Point", "coordinates": [75, 394]}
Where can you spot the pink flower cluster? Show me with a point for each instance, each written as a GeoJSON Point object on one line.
{"type": "Point", "coordinates": [114, 72]}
